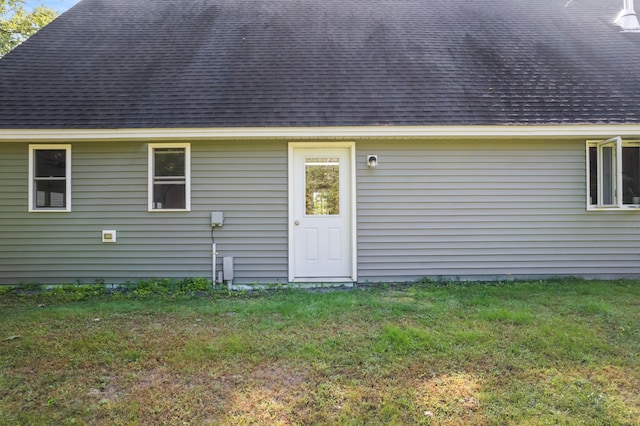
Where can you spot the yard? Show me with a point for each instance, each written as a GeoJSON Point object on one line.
{"type": "Point", "coordinates": [518, 353]}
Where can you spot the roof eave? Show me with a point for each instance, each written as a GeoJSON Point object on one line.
{"type": "Point", "coordinates": [344, 132]}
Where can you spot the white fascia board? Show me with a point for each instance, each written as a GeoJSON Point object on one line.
{"type": "Point", "coordinates": [515, 131]}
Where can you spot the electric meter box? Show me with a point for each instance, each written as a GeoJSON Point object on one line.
{"type": "Point", "coordinates": [217, 218]}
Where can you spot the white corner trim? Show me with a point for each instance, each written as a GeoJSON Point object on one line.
{"type": "Point", "coordinates": [190, 134]}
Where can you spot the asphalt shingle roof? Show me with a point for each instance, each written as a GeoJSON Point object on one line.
{"type": "Point", "coordinates": [268, 63]}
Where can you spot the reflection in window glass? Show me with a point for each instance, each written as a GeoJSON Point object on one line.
{"type": "Point", "coordinates": [630, 175]}
{"type": "Point", "coordinates": [50, 180]}
{"type": "Point", "coordinates": [593, 175]}
{"type": "Point", "coordinates": [608, 178]}
{"type": "Point", "coordinates": [50, 163]}
{"type": "Point", "coordinates": [322, 177]}
{"type": "Point", "coordinates": [169, 178]}
{"type": "Point", "coordinates": [605, 175]}
{"type": "Point", "coordinates": [50, 193]}
{"type": "Point", "coordinates": [169, 162]}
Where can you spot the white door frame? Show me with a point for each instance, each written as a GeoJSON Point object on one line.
{"type": "Point", "coordinates": [301, 145]}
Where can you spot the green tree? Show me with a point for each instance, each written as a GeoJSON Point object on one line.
{"type": "Point", "coordinates": [18, 24]}
{"type": "Point", "coordinates": [322, 186]}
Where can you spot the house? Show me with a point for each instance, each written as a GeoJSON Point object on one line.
{"type": "Point", "coordinates": [328, 141]}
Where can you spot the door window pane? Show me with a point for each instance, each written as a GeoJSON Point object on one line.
{"type": "Point", "coordinates": [322, 178]}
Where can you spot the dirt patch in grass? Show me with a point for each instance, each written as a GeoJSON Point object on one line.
{"type": "Point", "coordinates": [266, 395]}
{"type": "Point", "coordinates": [621, 389]}
{"type": "Point", "coordinates": [450, 395]}
{"type": "Point", "coordinates": [106, 391]}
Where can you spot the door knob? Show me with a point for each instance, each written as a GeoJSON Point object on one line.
{"type": "Point", "coordinates": [297, 222]}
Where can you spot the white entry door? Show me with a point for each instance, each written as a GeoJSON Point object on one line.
{"type": "Point", "coordinates": [321, 213]}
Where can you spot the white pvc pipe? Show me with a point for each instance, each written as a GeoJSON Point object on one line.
{"type": "Point", "coordinates": [214, 279]}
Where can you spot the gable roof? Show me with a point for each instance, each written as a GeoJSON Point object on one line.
{"type": "Point", "coordinates": [283, 63]}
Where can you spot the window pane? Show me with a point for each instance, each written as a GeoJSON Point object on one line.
{"type": "Point", "coordinates": [631, 175]}
{"type": "Point", "coordinates": [169, 196]}
{"type": "Point", "coordinates": [322, 186]}
{"type": "Point", "coordinates": [608, 175]}
{"type": "Point", "coordinates": [593, 175]}
{"type": "Point", "coordinates": [50, 163]}
{"type": "Point", "coordinates": [169, 162]}
{"type": "Point", "coordinates": [50, 193]}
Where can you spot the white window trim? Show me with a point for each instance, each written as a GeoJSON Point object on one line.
{"type": "Point", "coordinates": [618, 176]}
{"type": "Point", "coordinates": [32, 206]}
{"type": "Point", "coordinates": [187, 172]}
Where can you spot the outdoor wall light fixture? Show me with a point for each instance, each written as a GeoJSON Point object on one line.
{"type": "Point", "coordinates": [372, 161]}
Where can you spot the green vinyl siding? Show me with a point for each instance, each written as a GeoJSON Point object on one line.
{"type": "Point", "coordinates": [486, 210]}
{"type": "Point", "coordinates": [451, 208]}
{"type": "Point", "coordinates": [109, 184]}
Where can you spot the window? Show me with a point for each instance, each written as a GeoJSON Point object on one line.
{"type": "Point", "coordinates": [613, 168]}
{"type": "Point", "coordinates": [50, 178]}
{"type": "Point", "coordinates": [169, 177]}
{"type": "Point", "coordinates": [322, 178]}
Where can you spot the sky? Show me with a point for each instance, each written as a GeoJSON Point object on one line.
{"type": "Point", "coordinates": [59, 5]}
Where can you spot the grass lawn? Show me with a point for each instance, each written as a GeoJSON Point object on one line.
{"type": "Point", "coordinates": [518, 353]}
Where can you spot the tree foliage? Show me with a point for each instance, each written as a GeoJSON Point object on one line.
{"type": "Point", "coordinates": [18, 24]}
{"type": "Point", "coordinates": [323, 186]}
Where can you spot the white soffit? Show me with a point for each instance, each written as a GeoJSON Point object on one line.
{"type": "Point", "coordinates": [93, 135]}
